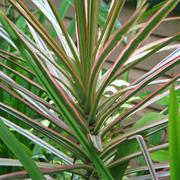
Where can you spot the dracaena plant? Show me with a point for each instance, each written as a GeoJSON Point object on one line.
{"type": "Point", "coordinates": [64, 81]}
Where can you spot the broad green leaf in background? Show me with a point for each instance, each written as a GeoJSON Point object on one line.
{"type": "Point", "coordinates": [174, 135]}
{"type": "Point", "coordinates": [62, 11]}
{"type": "Point", "coordinates": [104, 9]}
{"type": "Point", "coordinates": [124, 149]}
{"type": "Point", "coordinates": [148, 119]}
{"type": "Point", "coordinates": [165, 100]}
{"type": "Point", "coordinates": [14, 145]}
{"type": "Point", "coordinates": [160, 156]}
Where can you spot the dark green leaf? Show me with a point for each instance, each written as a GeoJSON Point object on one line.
{"type": "Point", "coordinates": [14, 145]}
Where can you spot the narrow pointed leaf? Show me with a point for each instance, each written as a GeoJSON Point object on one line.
{"type": "Point", "coordinates": [14, 145]}
{"type": "Point", "coordinates": [174, 135]}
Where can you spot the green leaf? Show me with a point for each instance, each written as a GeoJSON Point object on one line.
{"type": "Point", "coordinates": [21, 23]}
{"type": "Point", "coordinates": [65, 4]}
{"type": "Point", "coordinates": [160, 156]}
{"type": "Point", "coordinates": [156, 138]}
{"type": "Point", "coordinates": [165, 100]}
{"type": "Point", "coordinates": [150, 12]}
{"type": "Point", "coordinates": [148, 119]}
{"type": "Point", "coordinates": [15, 146]}
{"type": "Point", "coordinates": [62, 11]}
{"type": "Point", "coordinates": [124, 149]}
{"type": "Point", "coordinates": [71, 27]}
{"type": "Point", "coordinates": [174, 135]}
